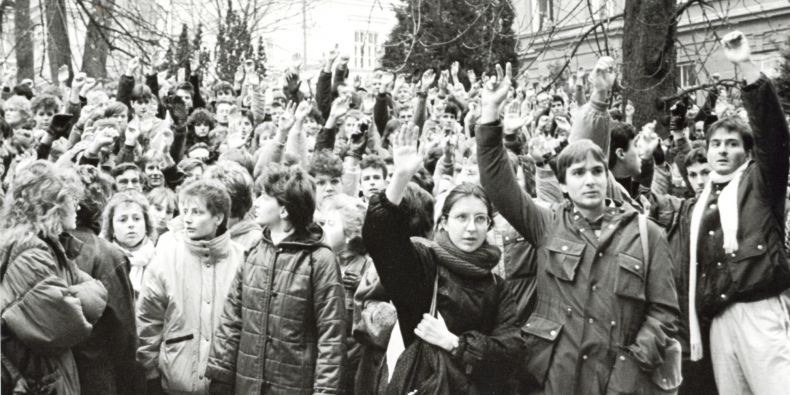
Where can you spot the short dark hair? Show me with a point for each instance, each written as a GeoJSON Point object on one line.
{"type": "Point", "coordinates": [557, 98]}
{"type": "Point", "coordinates": [375, 162]}
{"type": "Point", "coordinates": [616, 114]}
{"type": "Point", "coordinates": [238, 183]}
{"type": "Point", "coordinates": [98, 190]}
{"type": "Point", "coordinates": [453, 109]}
{"type": "Point", "coordinates": [185, 86]}
{"type": "Point", "coordinates": [695, 156]}
{"type": "Point", "coordinates": [325, 162]}
{"type": "Point", "coordinates": [622, 135]}
{"type": "Point", "coordinates": [463, 190]}
{"type": "Point", "coordinates": [46, 102]}
{"type": "Point", "coordinates": [214, 194]}
{"type": "Point", "coordinates": [294, 190]}
{"type": "Point", "coordinates": [576, 152]}
{"type": "Point", "coordinates": [201, 116]}
{"type": "Point", "coordinates": [222, 86]}
{"type": "Point", "coordinates": [732, 125]}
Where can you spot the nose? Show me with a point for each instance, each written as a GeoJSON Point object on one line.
{"type": "Point", "coordinates": [470, 226]}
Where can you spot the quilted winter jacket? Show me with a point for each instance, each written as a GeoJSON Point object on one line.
{"type": "Point", "coordinates": [48, 306]}
{"type": "Point", "coordinates": [284, 324]}
{"type": "Point", "coordinates": [181, 299]}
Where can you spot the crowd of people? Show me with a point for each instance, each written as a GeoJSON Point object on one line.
{"type": "Point", "coordinates": [451, 233]}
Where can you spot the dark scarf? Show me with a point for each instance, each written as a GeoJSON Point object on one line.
{"type": "Point", "coordinates": [466, 264]}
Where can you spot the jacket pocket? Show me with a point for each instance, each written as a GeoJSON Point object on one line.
{"type": "Point", "coordinates": [541, 340]}
{"type": "Point", "coordinates": [564, 258]}
{"type": "Point", "coordinates": [630, 280]}
{"type": "Point", "coordinates": [176, 363]}
{"type": "Point", "coordinates": [626, 377]}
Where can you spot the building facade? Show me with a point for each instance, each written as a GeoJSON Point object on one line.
{"type": "Point", "coordinates": [549, 29]}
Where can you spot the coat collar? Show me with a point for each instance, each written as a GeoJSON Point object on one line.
{"type": "Point", "coordinates": [217, 248]}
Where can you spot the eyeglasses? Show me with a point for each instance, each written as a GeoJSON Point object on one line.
{"type": "Point", "coordinates": [480, 220]}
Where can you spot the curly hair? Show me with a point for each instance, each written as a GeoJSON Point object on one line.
{"type": "Point", "coordinates": [39, 197]}
{"type": "Point", "coordinates": [201, 116]}
{"type": "Point", "coordinates": [45, 102]}
{"type": "Point", "coordinates": [238, 183]}
{"type": "Point", "coordinates": [326, 162]}
{"type": "Point", "coordinates": [126, 197]}
{"type": "Point", "coordinates": [353, 212]}
{"type": "Point", "coordinates": [98, 190]}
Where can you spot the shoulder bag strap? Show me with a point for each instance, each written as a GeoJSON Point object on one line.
{"type": "Point", "coordinates": [435, 292]}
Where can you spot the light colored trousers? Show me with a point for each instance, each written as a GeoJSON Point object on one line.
{"type": "Point", "coordinates": [750, 348]}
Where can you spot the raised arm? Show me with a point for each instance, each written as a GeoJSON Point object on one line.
{"type": "Point", "coordinates": [592, 120]}
{"type": "Point", "coordinates": [386, 235]}
{"type": "Point", "coordinates": [767, 120]}
{"type": "Point", "coordinates": [496, 172]}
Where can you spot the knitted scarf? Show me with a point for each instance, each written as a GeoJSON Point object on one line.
{"type": "Point", "coordinates": [139, 257]}
{"type": "Point", "coordinates": [477, 263]}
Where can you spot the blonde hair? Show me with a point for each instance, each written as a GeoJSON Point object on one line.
{"type": "Point", "coordinates": [38, 198]}
{"type": "Point", "coordinates": [134, 197]}
{"type": "Point", "coordinates": [351, 209]}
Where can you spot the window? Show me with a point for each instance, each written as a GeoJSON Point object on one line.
{"type": "Point", "coordinates": [365, 45]}
{"type": "Point", "coordinates": [542, 14]}
{"type": "Point", "coordinates": [687, 75]}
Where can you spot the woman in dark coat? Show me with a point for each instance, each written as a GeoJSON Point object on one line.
{"type": "Point", "coordinates": [476, 317]}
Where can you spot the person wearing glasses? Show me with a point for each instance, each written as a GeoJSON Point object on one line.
{"type": "Point", "coordinates": [475, 322]}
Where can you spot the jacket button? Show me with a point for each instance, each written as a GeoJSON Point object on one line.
{"type": "Point", "coordinates": [636, 267]}
{"type": "Point", "coordinates": [718, 264]}
{"type": "Point", "coordinates": [564, 248]}
{"type": "Point", "coordinates": [591, 320]}
{"type": "Point", "coordinates": [732, 255]}
{"type": "Point", "coordinates": [713, 206]}
{"type": "Point", "coordinates": [584, 357]}
{"type": "Point", "coordinates": [600, 254]}
{"type": "Point", "coordinates": [723, 296]}
{"type": "Point", "coordinates": [581, 230]}
{"type": "Point", "coordinates": [613, 323]}
{"type": "Point", "coordinates": [576, 217]}
{"type": "Point", "coordinates": [611, 226]}
{"type": "Point", "coordinates": [711, 233]}
{"type": "Point", "coordinates": [529, 324]}
{"type": "Point", "coordinates": [760, 247]}
{"type": "Point", "coordinates": [622, 357]}
{"type": "Point", "coordinates": [569, 311]}
{"type": "Point", "coordinates": [594, 288]}
{"type": "Point", "coordinates": [553, 333]}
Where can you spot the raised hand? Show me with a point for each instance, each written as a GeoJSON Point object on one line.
{"type": "Point", "coordinates": [340, 107]}
{"type": "Point", "coordinates": [405, 155]}
{"type": "Point", "coordinates": [471, 75]}
{"type": "Point", "coordinates": [427, 79]}
{"type": "Point", "coordinates": [455, 68]}
{"type": "Point", "coordinates": [736, 47]}
{"type": "Point", "coordinates": [90, 83]}
{"type": "Point", "coordinates": [603, 75]}
{"type": "Point", "coordinates": [444, 79]}
{"type": "Point", "coordinates": [647, 141]}
{"type": "Point", "coordinates": [238, 77]}
{"type": "Point", "coordinates": [287, 118]}
{"type": "Point", "coordinates": [251, 77]}
{"type": "Point", "coordinates": [63, 74]}
{"type": "Point", "coordinates": [513, 121]}
{"type": "Point", "coordinates": [495, 92]}
{"type": "Point", "coordinates": [329, 58]}
{"type": "Point", "coordinates": [132, 66]}
{"type": "Point", "coordinates": [303, 110]}
{"type": "Point", "coordinates": [132, 134]}
{"type": "Point", "coordinates": [178, 111]}
{"type": "Point", "coordinates": [103, 138]}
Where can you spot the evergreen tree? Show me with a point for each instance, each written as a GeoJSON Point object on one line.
{"type": "Point", "coordinates": [234, 43]}
{"type": "Point", "coordinates": [260, 57]}
{"type": "Point", "coordinates": [179, 51]}
{"type": "Point", "coordinates": [477, 33]}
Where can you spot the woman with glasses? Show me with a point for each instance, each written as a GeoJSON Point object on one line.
{"type": "Point", "coordinates": [475, 321]}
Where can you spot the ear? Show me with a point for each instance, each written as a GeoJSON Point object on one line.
{"type": "Point", "coordinates": [620, 153]}
{"type": "Point", "coordinates": [442, 222]}
{"type": "Point", "coordinates": [283, 213]}
{"type": "Point", "coordinates": [219, 218]}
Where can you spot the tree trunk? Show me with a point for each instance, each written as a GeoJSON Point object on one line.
{"type": "Point", "coordinates": [649, 58]}
{"type": "Point", "coordinates": [97, 48]}
{"type": "Point", "coordinates": [59, 49]}
{"type": "Point", "coordinates": [23, 33]}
